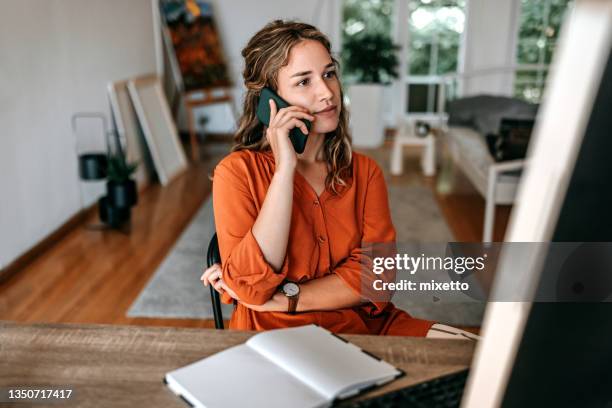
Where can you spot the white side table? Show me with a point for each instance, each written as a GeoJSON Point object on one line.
{"type": "Point", "coordinates": [405, 137]}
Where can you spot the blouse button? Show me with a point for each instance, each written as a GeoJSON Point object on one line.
{"type": "Point", "coordinates": [321, 239]}
{"type": "Point", "coordinates": [316, 202]}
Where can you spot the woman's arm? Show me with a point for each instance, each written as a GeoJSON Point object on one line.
{"type": "Point", "coordinates": [271, 229]}
{"type": "Point", "coordinates": [248, 268]}
{"type": "Point", "coordinates": [326, 293]}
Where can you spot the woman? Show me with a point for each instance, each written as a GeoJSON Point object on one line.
{"type": "Point", "coordinates": [291, 226]}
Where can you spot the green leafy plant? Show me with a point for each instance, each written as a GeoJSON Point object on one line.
{"type": "Point", "coordinates": [370, 58]}
{"type": "Point", "coordinates": [119, 170]}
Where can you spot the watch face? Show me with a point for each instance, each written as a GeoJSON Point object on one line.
{"type": "Point", "coordinates": [291, 289]}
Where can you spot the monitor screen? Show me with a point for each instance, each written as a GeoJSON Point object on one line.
{"type": "Point", "coordinates": [555, 353]}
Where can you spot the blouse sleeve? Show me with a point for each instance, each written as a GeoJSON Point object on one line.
{"type": "Point", "coordinates": [377, 241]}
{"type": "Point", "coordinates": [244, 268]}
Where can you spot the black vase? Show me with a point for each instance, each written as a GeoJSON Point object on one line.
{"type": "Point", "coordinates": [122, 194]}
{"type": "Point", "coordinates": [111, 215]}
{"type": "Point", "coordinates": [92, 166]}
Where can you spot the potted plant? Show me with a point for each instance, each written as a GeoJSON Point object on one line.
{"type": "Point", "coordinates": [121, 192]}
{"type": "Point", "coordinates": [113, 216]}
{"type": "Point", "coordinates": [370, 64]}
{"type": "Point", "coordinates": [120, 187]}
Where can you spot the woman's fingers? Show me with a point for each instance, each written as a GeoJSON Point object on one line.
{"type": "Point", "coordinates": [273, 110]}
{"type": "Point", "coordinates": [299, 124]}
{"type": "Point", "coordinates": [204, 277]}
{"type": "Point", "coordinates": [290, 123]}
{"type": "Point", "coordinates": [293, 115]}
{"type": "Point", "coordinates": [281, 122]}
{"type": "Point", "coordinates": [218, 285]}
{"type": "Point", "coordinates": [211, 274]}
{"type": "Point", "coordinates": [288, 113]}
{"type": "Point", "coordinates": [228, 290]}
{"type": "Point", "coordinates": [280, 113]}
{"type": "Point", "coordinates": [206, 274]}
{"type": "Point", "coordinates": [292, 119]}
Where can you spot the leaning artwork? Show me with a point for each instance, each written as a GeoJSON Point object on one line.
{"type": "Point", "coordinates": [197, 53]}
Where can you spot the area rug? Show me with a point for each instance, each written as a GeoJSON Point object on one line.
{"type": "Point", "coordinates": [175, 290]}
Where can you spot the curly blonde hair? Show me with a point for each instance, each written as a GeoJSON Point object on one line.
{"type": "Point", "coordinates": [264, 55]}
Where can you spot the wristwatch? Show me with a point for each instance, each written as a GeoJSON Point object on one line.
{"type": "Point", "coordinates": [292, 291]}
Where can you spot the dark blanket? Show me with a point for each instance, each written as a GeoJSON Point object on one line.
{"type": "Point", "coordinates": [512, 140]}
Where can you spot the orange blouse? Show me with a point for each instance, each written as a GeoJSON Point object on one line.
{"type": "Point", "coordinates": [325, 237]}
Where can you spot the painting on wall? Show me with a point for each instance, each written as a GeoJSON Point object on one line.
{"type": "Point", "coordinates": [195, 47]}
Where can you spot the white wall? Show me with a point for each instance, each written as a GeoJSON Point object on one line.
{"type": "Point", "coordinates": [56, 57]}
{"type": "Point", "coordinates": [238, 20]}
{"type": "Point", "coordinates": [490, 42]}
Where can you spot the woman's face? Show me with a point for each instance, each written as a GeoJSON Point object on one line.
{"type": "Point", "coordinates": [309, 80]}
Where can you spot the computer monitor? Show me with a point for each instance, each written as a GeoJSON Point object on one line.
{"type": "Point", "coordinates": [557, 354]}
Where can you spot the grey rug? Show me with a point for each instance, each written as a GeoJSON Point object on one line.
{"type": "Point", "coordinates": [417, 219]}
{"type": "Point", "coordinates": [175, 290]}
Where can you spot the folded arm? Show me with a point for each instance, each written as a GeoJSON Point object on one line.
{"type": "Point", "coordinates": [252, 241]}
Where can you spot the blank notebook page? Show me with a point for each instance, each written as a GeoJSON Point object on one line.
{"type": "Point", "coordinates": [321, 360]}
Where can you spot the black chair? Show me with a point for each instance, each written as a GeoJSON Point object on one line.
{"type": "Point", "coordinates": [212, 257]}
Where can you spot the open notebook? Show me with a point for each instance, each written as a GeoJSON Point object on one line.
{"type": "Point", "coordinates": [305, 366]}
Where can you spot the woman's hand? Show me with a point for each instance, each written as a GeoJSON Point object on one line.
{"type": "Point", "coordinates": [281, 123]}
{"type": "Point", "coordinates": [212, 276]}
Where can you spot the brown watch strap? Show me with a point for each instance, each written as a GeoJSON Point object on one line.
{"type": "Point", "coordinates": [293, 301]}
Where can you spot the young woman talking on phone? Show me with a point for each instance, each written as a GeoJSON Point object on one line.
{"type": "Point", "coordinates": [291, 226]}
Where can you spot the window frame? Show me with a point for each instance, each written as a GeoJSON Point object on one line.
{"type": "Point", "coordinates": [541, 68]}
{"type": "Point", "coordinates": [402, 37]}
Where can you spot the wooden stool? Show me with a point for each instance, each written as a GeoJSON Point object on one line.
{"type": "Point", "coordinates": [203, 97]}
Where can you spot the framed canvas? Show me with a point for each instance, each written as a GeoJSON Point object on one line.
{"type": "Point", "coordinates": [195, 51]}
{"type": "Point", "coordinates": [126, 123]}
{"type": "Point", "coordinates": [158, 127]}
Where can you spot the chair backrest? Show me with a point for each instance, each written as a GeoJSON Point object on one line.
{"type": "Point", "coordinates": [213, 256]}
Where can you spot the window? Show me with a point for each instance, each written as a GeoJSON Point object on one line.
{"type": "Point", "coordinates": [365, 16]}
{"type": "Point", "coordinates": [435, 29]}
{"type": "Point", "coordinates": [540, 23]}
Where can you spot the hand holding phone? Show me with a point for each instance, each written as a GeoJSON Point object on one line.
{"type": "Point", "coordinates": [287, 118]}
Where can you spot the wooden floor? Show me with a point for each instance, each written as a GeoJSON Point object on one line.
{"type": "Point", "coordinates": [94, 276]}
{"type": "Point", "coordinates": [460, 203]}
{"type": "Point", "coordinates": [463, 207]}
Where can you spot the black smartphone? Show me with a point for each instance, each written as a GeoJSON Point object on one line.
{"type": "Point", "coordinates": [298, 139]}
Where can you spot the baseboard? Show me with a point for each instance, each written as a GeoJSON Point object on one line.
{"type": "Point", "coordinates": [73, 222]}
{"type": "Point", "coordinates": [23, 260]}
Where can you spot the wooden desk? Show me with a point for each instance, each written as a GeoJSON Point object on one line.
{"type": "Point", "coordinates": [123, 366]}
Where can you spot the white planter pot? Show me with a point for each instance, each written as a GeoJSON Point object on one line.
{"type": "Point", "coordinates": [366, 114]}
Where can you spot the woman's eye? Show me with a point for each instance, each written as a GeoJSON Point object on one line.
{"type": "Point", "coordinates": [330, 74]}
{"type": "Point", "coordinates": [306, 81]}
